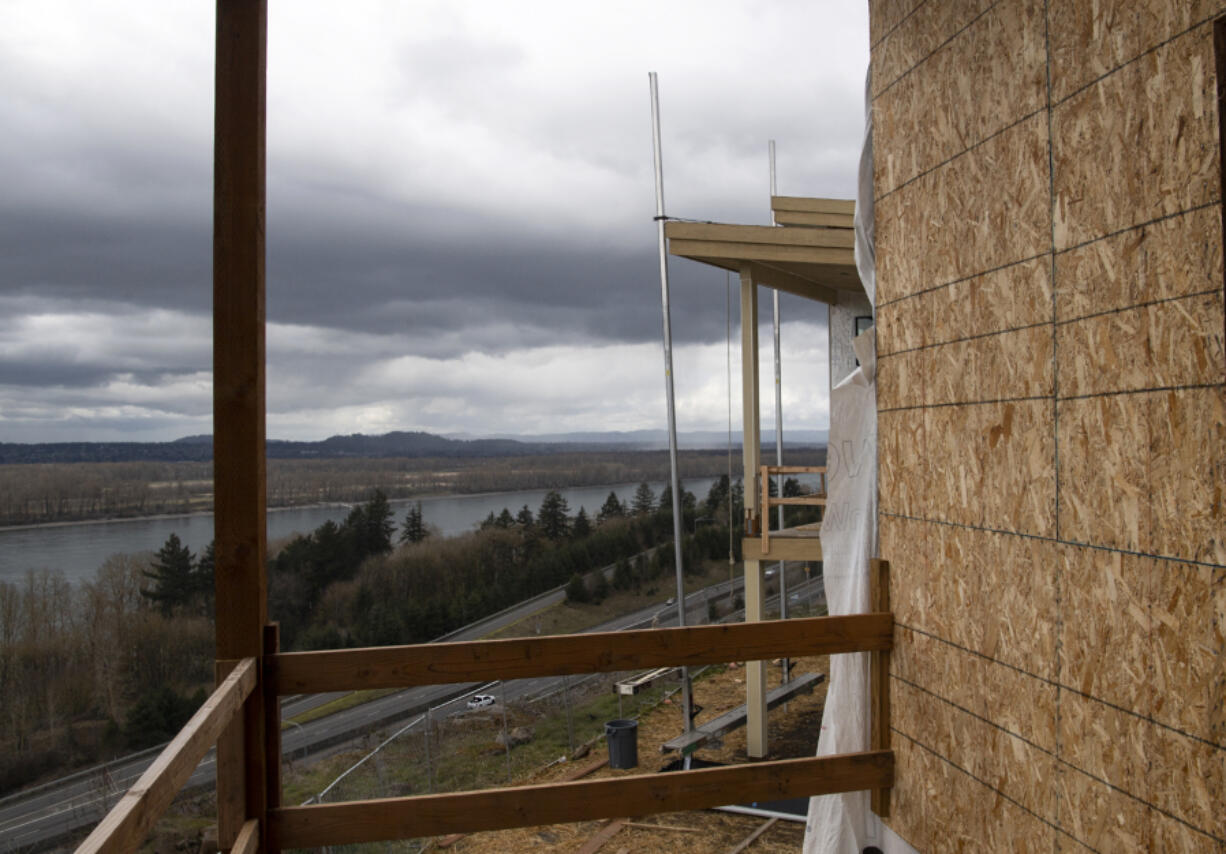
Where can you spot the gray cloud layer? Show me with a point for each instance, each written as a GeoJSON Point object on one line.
{"type": "Point", "coordinates": [443, 180]}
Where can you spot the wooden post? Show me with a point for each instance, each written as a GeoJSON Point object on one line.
{"type": "Point", "coordinates": [751, 451]}
{"type": "Point", "coordinates": [238, 392]}
{"type": "Point", "coordinates": [880, 680]}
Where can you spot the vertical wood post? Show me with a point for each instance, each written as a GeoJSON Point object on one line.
{"type": "Point", "coordinates": [751, 451]}
{"type": "Point", "coordinates": [238, 392]}
{"type": "Point", "coordinates": [879, 680]}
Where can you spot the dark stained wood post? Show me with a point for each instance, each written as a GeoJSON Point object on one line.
{"type": "Point", "coordinates": [238, 392]}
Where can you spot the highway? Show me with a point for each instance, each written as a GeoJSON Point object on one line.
{"type": "Point", "coordinates": [38, 818]}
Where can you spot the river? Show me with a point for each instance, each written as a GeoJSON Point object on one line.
{"type": "Point", "coordinates": [78, 549]}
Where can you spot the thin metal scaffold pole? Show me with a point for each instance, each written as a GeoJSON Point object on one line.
{"type": "Point", "coordinates": [783, 575]}
{"type": "Point", "coordinates": [687, 700]}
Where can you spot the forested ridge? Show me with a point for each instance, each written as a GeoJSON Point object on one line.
{"type": "Point", "coordinates": [110, 665]}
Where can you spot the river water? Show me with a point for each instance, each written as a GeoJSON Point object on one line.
{"type": "Point", "coordinates": [78, 549]}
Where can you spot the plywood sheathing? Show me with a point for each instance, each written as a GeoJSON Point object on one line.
{"type": "Point", "coordinates": [1188, 646]}
{"type": "Point", "coordinates": [1175, 257]}
{"type": "Point", "coordinates": [936, 111]}
{"type": "Point", "coordinates": [1104, 471]}
{"type": "Point", "coordinates": [931, 25]}
{"type": "Point", "coordinates": [1176, 343]}
{"type": "Point", "coordinates": [991, 462]}
{"type": "Point", "coordinates": [944, 226]}
{"type": "Point", "coordinates": [1188, 473]}
{"type": "Point", "coordinates": [1187, 778]}
{"type": "Point", "coordinates": [1014, 297]}
{"type": "Point", "coordinates": [885, 15]}
{"type": "Point", "coordinates": [1089, 40]}
{"type": "Point", "coordinates": [1139, 144]}
{"type": "Point", "coordinates": [1106, 819]}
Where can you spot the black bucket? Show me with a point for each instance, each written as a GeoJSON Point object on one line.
{"type": "Point", "coordinates": [623, 737]}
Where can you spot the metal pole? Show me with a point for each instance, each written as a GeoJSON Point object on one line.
{"type": "Point", "coordinates": [686, 699]}
{"type": "Point", "coordinates": [570, 726]}
{"type": "Point", "coordinates": [429, 767]}
{"type": "Point", "coordinates": [783, 578]}
{"type": "Point", "coordinates": [506, 735]}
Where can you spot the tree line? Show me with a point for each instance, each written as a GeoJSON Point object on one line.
{"type": "Point", "coordinates": [106, 666]}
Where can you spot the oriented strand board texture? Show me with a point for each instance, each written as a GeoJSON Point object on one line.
{"type": "Point", "coordinates": [1052, 422]}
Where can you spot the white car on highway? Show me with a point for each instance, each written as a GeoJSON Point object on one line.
{"type": "Point", "coordinates": [480, 701]}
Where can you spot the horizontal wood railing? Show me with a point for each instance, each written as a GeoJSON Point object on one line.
{"type": "Point", "coordinates": [598, 652]}
{"type": "Point", "coordinates": [525, 806]}
{"type": "Point", "coordinates": [124, 827]}
{"type": "Point", "coordinates": [817, 499]}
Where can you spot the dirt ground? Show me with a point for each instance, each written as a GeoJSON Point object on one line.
{"type": "Point", "coordinates": [793, 731]}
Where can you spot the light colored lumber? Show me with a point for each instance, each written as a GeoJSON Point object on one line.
{"type": "Point", "coordinates": [751, 452]}
{"type": "Point", "coordinates": [239, 483]}
{"type": "Point", "coordinates": [586, 800]}
{"type": "Point", "coordinates": [847, 207]}
{"type": "Point", "coordinates": [799, 501]}
{"type": "Point", "coordinates": [753, 837]}
{"type": "Point", "coordinates": [782, 547]}
{"type": "Point", "coordinates": [751, 252]}
{"type": "Point", "coordinates": [597, 652]}
{"type": "Point", "coordinates": [248, 841]}
{"type": "Point", "coordinates": [804, 219]}
{"type": "Point", "coordinates": [126, 825]}
{"type": "Point", "coordinates": [879, 680]}
{"type": "Point", "coordinates": [597, 840]}
{"type": "Point", "coordinates": [837, 238]}
{"type": "Point", "coordinates": [688, 742]}
{"type": "Point", "coordinates": [795, 469]}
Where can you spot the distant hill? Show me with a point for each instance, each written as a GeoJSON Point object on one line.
{"type": "Point", "coordinates": [653, 440]}
{"type": "Point", "coordinates": [396, 444]}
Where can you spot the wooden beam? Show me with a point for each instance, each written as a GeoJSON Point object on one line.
{"type": "Point", "coordinates": [804, 219]}
{"type": "Point", "coordinates": [794, 283]}
{"type": "Point", "coordinates": [597, 652]}
{"type": "Point", "coordinates": [248, 841]}
{"type": "Point", "coordinates": [751, 452]}
{"type": "Point", "coordinates": [767, 235]}
{"type": "Point", "coordinates": [125, 826]}
{"type": "Point", "coordinates": [813, 205]}
{"type": "Point", "coordinates": [587, 800]}
{"type": "Point", "coordinates": [238, 379]}
{"type": "Point", "coordinates": [751, 838]}
{"type": "Point", "coordinates": [782, 548]}
{"type": "Point", "coordinates": [740, 251]}
{"type": "Point", "coordinates": [598, 840]}
{"type": "Point", "coordinates": [879, 583]}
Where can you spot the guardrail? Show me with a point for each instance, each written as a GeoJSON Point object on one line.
{"type": "Point", "coordinates": [275, 674]}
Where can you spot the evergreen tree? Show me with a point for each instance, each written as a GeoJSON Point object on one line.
{"type": "Point", "coordinates": [524, 518]}
{"type": "Point", "coordinates": [204, 578]}
{"type": "Point", "coordinates": [414, 530]}
{"type": "Point", "coordinates": [552, 516]}
{"type": "Point", "coordinates": [718, 493]}
{"type": "Point", "coordinates": [173, 574]}
{"type": "Point", "coordinates": [369, 527]}
{"type": "Point", "coordinates": [488, 522]}
{"type": "Point", "coordinates": [576, 590]}
{"type": "Point", "coordinates": [505, 519]}
{"type": "Point", "coordinates": [612, 509]}
{"type": "Point", "coordinates": [644, 499]}
{"type": "Point", "coordinates": [581, 527]}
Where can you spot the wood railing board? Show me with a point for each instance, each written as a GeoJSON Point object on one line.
{"type": "Point", "coordinates": [585, 800]}
{"type": "Point", "coordinates": [598, 652]}
{"type": "Point", "coordinates": [126, 825]}
{"type": "Point", "coordinates": [248, 840]}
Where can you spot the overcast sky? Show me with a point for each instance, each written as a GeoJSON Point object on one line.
{"type": "Point", "coordinates": [460, 202]}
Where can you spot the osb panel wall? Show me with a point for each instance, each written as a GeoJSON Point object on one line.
{"type": "Point", "coordinates": [1052, 421]}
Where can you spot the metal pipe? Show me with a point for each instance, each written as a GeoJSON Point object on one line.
{"type": "Point", "coordinates": [687, 703]}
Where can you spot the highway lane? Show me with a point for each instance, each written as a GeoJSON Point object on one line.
{"type": "Point", "coordinates": [31, 819]}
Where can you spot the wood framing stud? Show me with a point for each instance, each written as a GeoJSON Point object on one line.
{"type": "Point", "coordinates": [596, 652]}
{"type": "Point", "coordinates": [587, 800]}
{"type": "Point", "coordinates": [126, 825]}
{"type": "Point", "coordinates": [880, 682]}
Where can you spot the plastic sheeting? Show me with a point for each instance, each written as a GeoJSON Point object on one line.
{"type": "Point", "coordinates": [839, 824]}
{"type": "Point", "coordinates": [844, 824]}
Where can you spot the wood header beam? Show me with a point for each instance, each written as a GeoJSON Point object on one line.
{"type": "Point", "coordinates": [126, 825]}
{"type": "Point", "coordinates": [768, 235]}
{"type": "Point", "coordinates": [804, 219]}
{"type": "Point", "coordinates": [812, 205]}
{"type": "Point", "coordinates": [586, 800]}
{"type": "Point", "coordinates": [598, 652]}
{"type": "Point", "coordinates": [782, 548]}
